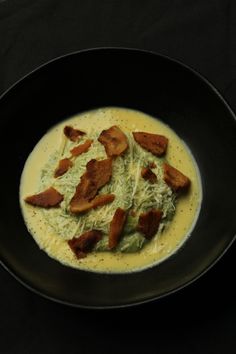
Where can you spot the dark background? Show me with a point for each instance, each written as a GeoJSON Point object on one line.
{"type": "Point", "coordinates": [202, 34]}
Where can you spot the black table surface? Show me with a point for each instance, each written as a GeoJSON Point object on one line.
{"type": "Point", "coordinates": [198, 319]}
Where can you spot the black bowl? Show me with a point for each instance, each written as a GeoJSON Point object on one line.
{"type": "Point", "coordinates": [140, 80]}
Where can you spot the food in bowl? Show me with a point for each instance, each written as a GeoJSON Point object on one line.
{"type": "Point", "coordinates": [110, 190]}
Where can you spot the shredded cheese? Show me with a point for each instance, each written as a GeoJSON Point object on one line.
{"type": "Point", "coordinates": [130, 189]}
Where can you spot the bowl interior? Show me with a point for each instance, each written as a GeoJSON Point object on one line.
{"type": "Point", "coordinates": [139, 80]}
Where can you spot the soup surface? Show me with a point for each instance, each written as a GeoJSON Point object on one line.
{"type": "Point", "coordinates": [42, 224]}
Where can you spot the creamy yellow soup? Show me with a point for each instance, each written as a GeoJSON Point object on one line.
{"type": "Point", "coordinates": [160, 247]}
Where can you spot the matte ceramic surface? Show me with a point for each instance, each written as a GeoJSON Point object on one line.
{"type": "Point", "coordinates": [135, 79]}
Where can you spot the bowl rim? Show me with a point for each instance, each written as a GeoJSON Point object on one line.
{"type": "Point", "coordinates": [200, 76]}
